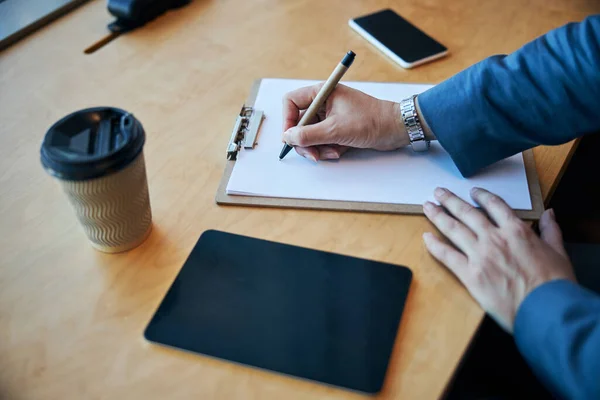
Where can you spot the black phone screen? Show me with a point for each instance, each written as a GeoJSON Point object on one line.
{"type": "Point", "coordinates": [400, 36]}
{"type": "Point", "coordinates": [307, 313]}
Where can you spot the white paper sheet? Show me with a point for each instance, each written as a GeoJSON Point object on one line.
{"type": "Point", "coordinates": [399, 177]}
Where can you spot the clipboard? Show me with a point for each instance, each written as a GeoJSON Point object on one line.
{"type": "Point", "coordinates": [245, 133]}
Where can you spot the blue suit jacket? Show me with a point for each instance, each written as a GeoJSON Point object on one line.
{"type": "Point", "coordinates": [547, 92]}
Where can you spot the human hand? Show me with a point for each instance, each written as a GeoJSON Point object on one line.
{"type": "Point", "coordinates": [500, 261]}
{"type": "Point", "coordinates": [349, 118]}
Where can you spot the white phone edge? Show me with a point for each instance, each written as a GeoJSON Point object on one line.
{"type": "Point", "coordinates": [391, 54]}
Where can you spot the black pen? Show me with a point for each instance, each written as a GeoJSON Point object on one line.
{"type": "Point", "coordinates": [322, 96]}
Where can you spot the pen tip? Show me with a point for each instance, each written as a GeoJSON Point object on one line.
{"type": "Point", "coordinates": [348, 59]}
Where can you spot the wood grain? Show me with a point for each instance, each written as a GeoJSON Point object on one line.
{"type": "Point", "coordinates": [551, 163]}
{"type": "Point", "coordinates": [71, 318]}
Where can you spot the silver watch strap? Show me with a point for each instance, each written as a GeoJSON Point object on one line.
{"type": "Point", "coordinates": [413, 126]}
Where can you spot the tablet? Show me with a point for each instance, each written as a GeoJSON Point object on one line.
{"type": "Point", "coordinates": [310, 314]}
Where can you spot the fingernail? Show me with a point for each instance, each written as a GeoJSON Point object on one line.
{"type": "Point", "coordinates": [552, 214]}
{"type": "Point", "coordinates": [439, 191]}
{"type": "Point", "coordinates": [308, 156]}
{"type": "Point", "coordinates": [474, 190]}
{"type": "Point", "coordinates": [330, 154]}
{"type": "Point", "coordinates": [428, 206]}
{"type": "Point", "coordinates": [287, 134]}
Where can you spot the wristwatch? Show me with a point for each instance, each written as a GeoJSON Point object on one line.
{"type": "Point", "coordinates": [413, 125]}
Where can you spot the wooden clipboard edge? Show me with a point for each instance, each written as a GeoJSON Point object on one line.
{"type": "Point", "coordinates": [222, 198]}
{"type": "Point", "coordinates": [535, 191]}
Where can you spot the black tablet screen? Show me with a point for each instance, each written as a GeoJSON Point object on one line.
{"type": "Point", "coordinates": [307, 313]}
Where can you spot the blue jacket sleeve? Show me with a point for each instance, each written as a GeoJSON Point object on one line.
{"type": "Point", "coordinates": [547, 92]}
{"type": "Point", "coordinates": [557, 329]}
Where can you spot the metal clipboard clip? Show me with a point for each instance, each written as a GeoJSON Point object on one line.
{"type": "Point", "coordinates": [244, 131]}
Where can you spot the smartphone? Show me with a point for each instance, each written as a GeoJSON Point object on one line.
{"type": "Point", "coordinates": [398, 39]}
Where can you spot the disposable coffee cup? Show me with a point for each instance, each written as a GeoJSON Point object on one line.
{"type": "Point", "coordinates": [97, 156]}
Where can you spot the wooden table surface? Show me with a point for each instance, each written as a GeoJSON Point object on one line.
{"type": "Point", "coordinates": [71, 318]}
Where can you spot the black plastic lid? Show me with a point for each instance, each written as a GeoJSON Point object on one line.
{"type": "Point", "coordinates": [92, 143]}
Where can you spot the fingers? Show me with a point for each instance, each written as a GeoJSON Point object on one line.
{"type": "Point", "coordinates": [458, 233]}
{"type": "Point", "coordinates": [450, 257]}
{"type": "Point", "coordinates": [310, 135]}
{"type": "Point", "coordinates": [495, 207]}
{"type": "Point", "coordinates": [550, 232]}
{"type": "Point", "coordinates": [331, 152]}
{"type": "Point", "coordinates": [463, 211]}
{"type": "Point", "coordinates": [295, 101]}
{"type": "Point", "coordinates": [312, 153]}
